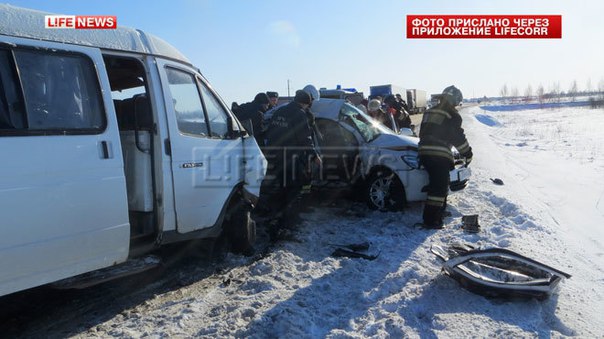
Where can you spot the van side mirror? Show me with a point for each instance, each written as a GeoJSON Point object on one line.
{"type": "Point", "coordinates": [249, 127]}
{"type": "Point", "coordinates": [235, 133]}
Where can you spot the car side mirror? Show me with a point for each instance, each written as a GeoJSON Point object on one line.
{"type": "Point", "coordinates": [407, 132]}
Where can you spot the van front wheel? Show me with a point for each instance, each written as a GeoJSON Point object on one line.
{"type": "Point", "coordinates": [240, 228]}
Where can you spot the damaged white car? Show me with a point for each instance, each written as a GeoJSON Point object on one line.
{"type": "Point", "coordinates": [358, 150]}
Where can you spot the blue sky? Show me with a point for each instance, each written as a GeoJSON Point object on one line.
{"type": "Point", "coordinates": [245, 47]}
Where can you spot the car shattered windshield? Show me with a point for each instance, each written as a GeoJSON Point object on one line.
{"type": "Point", "coordinates": [369, 128]}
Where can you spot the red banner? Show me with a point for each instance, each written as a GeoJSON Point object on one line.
{"type": "Point", "coordinates": [484, 26]}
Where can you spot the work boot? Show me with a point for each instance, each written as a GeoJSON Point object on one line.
{"type": "Point", "coordinates": [434, 226]}
{"type": "Point", "coordinates": [428, 226]}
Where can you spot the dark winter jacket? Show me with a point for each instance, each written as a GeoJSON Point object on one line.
{"type": "Point", "coordinates": [255, 112]}
{"type": "Point", "coordinates": [400, 116]}
{"type": "Point", "coordinates": [316, 134]}
{"type": "Point", "coordinates": [290, 138]}
{"type": "Point", "coordinates": [441, 129]}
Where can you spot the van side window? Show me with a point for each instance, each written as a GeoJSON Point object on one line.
{"type": "Point", "coordinates": [12, 113]}
{"type": "Point", "coordinates": [217, 116]}
{"type": "Point", "coordinates": [61, 91]}
{"type": "Point", "coordinates": [187, 102]}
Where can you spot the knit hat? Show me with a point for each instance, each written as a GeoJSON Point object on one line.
{"type": "Point", "coordinates": [261, 98]}
{"type": "Point", "coordinates": [302, 97]}
{"type": "Point", "coordinates": [390, 100]}
{"type": "Point", "coordinates": [272, 94]}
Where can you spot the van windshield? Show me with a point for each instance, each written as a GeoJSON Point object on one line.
{"type": "Point", "coordinates": [369, 128]}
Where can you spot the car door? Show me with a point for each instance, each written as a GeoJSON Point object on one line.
{"type": "Point", "coordinates": [62, 187]}
{"type": "Point", "coordinates": [205, 160]}
{"type": "Point", "coordinates": [339, 151]}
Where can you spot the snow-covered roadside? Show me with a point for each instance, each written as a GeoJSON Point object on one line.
{"type": "Point", "coordinates": [300, 290]}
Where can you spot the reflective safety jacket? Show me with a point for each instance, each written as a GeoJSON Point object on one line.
{"type": "Point", "coordinates": [441, 129]}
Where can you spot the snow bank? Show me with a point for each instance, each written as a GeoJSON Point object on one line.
{"type": "Point", "coordinates": [532, 106]}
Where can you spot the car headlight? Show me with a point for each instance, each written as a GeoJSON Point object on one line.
{"type": "Point", "coordinates": [412, 160]}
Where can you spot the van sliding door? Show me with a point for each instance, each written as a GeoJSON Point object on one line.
{"type": "Point", "coordinates": [62, 187]}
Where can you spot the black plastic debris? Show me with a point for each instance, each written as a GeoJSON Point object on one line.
{"type": "Point", "coordinates": [470, 223]}
{"type": "Point", "coordinates": [354, 251]}
{"type": "Point", "coordinates": [497, 181]}
{"type": "Point", "coordinates": [497, 272]}
{"type": "Point", "coordinates": [341, 252]}
{"type": "Point", "coordinates": [363, 246]}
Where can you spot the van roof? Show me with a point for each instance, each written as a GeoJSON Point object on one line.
{"type": "Point", "coordinates": [28, 23]}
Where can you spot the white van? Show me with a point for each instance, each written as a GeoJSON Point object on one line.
{"type": "Point", "coordinates": [111, 144]}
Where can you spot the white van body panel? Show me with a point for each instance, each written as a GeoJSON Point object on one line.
{"type": "Point", "coordinates": [255, 166]}
{"type": "Point", "coordinates": [64, 206]}
{"type": "Point", "coordinates": [163, 178]}
{"type": "Point", "coordinates": [205, 169]}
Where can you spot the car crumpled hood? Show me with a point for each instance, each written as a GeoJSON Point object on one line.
{"type": "Point", "coordinates": [396, 142]}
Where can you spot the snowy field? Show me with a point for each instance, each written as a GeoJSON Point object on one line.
{"type": "Point", "coordinates": [551, 208]}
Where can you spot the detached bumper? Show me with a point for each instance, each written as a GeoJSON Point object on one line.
{"type": "Point", "coordinates": [459, 178]}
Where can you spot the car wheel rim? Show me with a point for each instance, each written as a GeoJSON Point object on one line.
{"type": "Point", "coordinates": [380, 191]}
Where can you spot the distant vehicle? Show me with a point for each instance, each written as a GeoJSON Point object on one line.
{"type": "Point", "coordinates": [360, 151]}
{"type": "Point", "coordinates": [434, 100]}
{"type": "Point", "coordinates": [342, 93]}
{"type": "Point", "coordinates": [416, 100]}
{"type": "Point", "coordinates": [384, 90]}
{"type": "Point", "coordinates": [113, 144]}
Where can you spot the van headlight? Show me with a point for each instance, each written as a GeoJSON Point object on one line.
{"type": "Point", "coordinates": [412, 160]}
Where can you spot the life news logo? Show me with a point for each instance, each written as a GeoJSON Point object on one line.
{"type": "Point", "coordinates": [80, 21]}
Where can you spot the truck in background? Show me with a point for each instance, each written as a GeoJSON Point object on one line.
{"type": "Point", "coordinates": [384, 90]}
{"type": "Point", "coordinates": [416, 100]}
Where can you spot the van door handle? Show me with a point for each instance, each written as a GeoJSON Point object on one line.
{"type": "Point", "coordinates": [105, 150]}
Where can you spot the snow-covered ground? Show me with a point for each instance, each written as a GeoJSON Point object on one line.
{"type": "Point", "coordinates": [551, 208]}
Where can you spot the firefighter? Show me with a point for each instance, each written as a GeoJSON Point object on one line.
{"type": "Point", "coordinates": [291, 150]}
{"type": "Point", "coordinates": [441, 129]}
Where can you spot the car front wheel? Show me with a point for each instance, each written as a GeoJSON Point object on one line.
{"type": "Point", "coordinates": [385, 192]}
